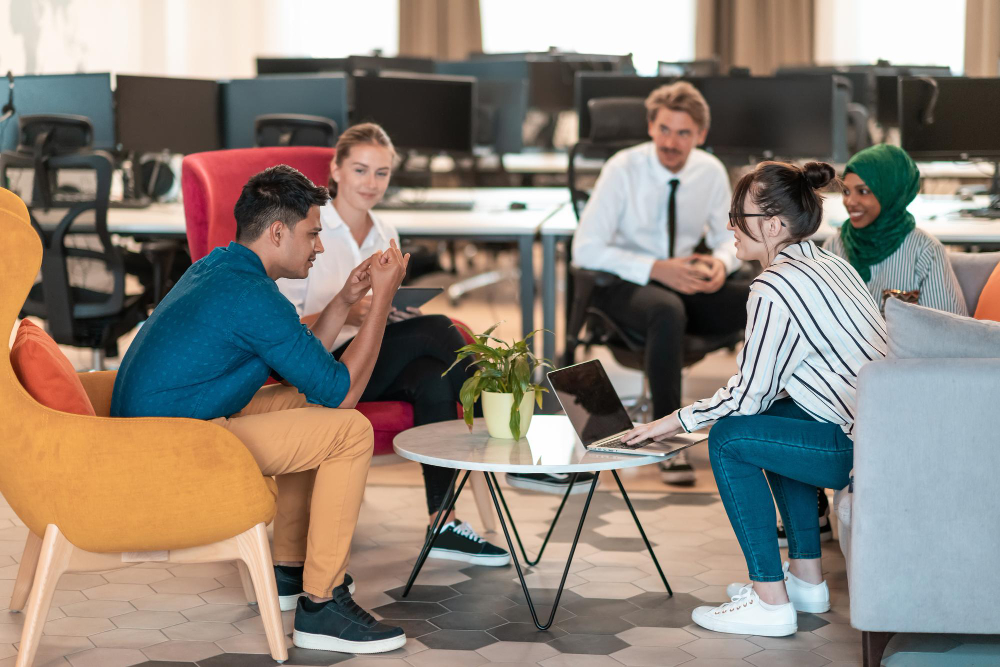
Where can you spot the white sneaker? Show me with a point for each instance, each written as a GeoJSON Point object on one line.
{"type": "Point", "coordinates": [677, 470]}
{"type": "Point", "coordinates": [746, 614]}
{"type": "Point", "coordinates": [806, 597]}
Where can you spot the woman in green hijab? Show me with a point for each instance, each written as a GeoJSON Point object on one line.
{"type": "Point", "coordinates": [880, 239]}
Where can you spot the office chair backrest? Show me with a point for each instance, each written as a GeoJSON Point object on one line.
{"type": "Point", "coordinates": [294, 129]}
{"type": "Point", "coordinates": [212, 182]}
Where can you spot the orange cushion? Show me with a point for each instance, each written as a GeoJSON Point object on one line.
{"type": "Point", "coordinates": [45, 372]}
{"type": "Point", "coordinates": [989, 299]}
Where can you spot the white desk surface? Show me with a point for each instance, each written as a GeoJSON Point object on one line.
{"type": "Point", "coordinates": [550, 445]}
{"type": "Point", "coordinates": [491, 215]}
{"type": "Point", "coordinates": [935, 214]}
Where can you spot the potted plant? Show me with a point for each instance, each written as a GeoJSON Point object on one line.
{"type": "Point", "coordinates": [503, 379]}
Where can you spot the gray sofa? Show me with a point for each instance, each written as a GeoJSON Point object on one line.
{"type": "Point", "coordinates": [920, 530]}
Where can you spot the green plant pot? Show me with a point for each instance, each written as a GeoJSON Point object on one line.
{"type": "Point", "coordinates": [496, 411]}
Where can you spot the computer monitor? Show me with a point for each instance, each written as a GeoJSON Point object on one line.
{"type": "Point", "coordinates": [501, 100]}
{"type": "Point", "coordinates": [751, 117]}
{"type": "Point", "coordinates": [951, 118]}
{"type": "Point", "coordinates": [80, 94]}
{"type": "Point", "coordinates": [243, 100]}
{"type": "Point", "coordinates": [864, 90]}
{"type": "Point", "coordinates": [888, 87]}
{"type": "Point", "coordinates": [590, 85]}
{"type": "Point", "coordinates": [266, 65]}
{"type": "Point", "coordinates": [705, 67]}
{"type": "Point", "coordinates": [157, 114]}
{"type": "Point", "coordinates": [393, 64]}
{"type": "Point", "coordinates": [420, 112]}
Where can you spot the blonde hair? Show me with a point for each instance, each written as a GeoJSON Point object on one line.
{"type": "Point", "coordinates": [359, 135]}
{"type": "Point", "coordinates": [679, 96]}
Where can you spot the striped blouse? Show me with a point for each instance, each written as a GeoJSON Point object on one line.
{"type": "Point", "coordinates": [811, 325]}
{"type": "Point", "coordinates": [920, 263]}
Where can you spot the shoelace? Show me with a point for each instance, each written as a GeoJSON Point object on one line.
{"type": "Point", "coordinates": [738, 601]}
{"type": "Point", "coordinates": [343, 598]}
{"type": "Point", "coordinates": [465, 530]}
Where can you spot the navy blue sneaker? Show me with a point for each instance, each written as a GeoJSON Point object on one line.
{"type": "Point", "coordinates": [341, 625]}
{"type": "Point", "coordinates": [458, 541]}
{"type": "Point", "coordinates": [289, 581]}
{"type": "Point", "coordinates": [550, 482]}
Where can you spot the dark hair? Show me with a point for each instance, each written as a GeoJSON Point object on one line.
{"type": "Point", "coordinates": [359, 135]}
{"type": "Point", "coordinates": [785, 191]}
{"type": "Point", "coordinates": [277, 193]}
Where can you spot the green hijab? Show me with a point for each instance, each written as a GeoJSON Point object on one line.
{"type": "Point", "coordinates": [894, 179]}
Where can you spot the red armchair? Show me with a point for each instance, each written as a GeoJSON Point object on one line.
{"type": "Point", "coordinates": [211, 183]}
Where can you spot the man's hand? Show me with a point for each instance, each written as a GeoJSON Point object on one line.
{"type": "Point", "coordinates": [387, 272]}
{"type": "Point", "coordinates": [714, 273]}
{"type": "Point", "coordinates": [401, 315]}
{"type": "Point", "coordinates": [679, 274]}
{"type": "Point", "coordinates": [359, 311]}
{"type": "Point", "coordinates": [358, 283]}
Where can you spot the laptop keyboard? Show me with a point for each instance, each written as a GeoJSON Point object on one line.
{"type": "Point", "coordinates": [618, 444]}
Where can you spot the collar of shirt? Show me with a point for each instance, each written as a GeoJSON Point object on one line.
{"type": "Point", "coordinates": [338, 229]}
{"type": "Point", "coordinates": [802, 249]}
{"type": "Point", "coordinates": [663, 174]}
{"type": "Point", "coordinates": [245, 253]}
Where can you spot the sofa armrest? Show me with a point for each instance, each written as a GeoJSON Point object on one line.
{"type": "Point", "coordinates": [924, 536]}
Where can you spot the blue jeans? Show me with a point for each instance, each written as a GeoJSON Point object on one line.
{"type": "Point", "coordinates": [795, 454]}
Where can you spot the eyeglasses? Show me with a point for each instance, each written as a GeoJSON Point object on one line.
{"type": "Point", "coordinates": [732, 217]}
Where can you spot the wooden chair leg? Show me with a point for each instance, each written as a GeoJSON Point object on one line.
{"type": "Point", "coordinates": [54, 557]}
{"type": "Point", "coordinates": [25, 572]}
{"type": "Point", "coordinates": [482, 495]}
{"type": "Point", "coordinates": [255, 551]}
{"type": "Point", "coordinates": [873, 646]}
{"type": "Point", "coordinates": [247, 582]}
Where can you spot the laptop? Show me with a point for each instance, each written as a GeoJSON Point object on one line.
{"type": "Point", "coordinates": [598, 416]}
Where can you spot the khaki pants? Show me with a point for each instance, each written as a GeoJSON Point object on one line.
{"type": "Point", "coordinates": [319, 458]}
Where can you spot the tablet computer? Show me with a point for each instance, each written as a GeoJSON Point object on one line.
{"type": "Point", "coordinates": [414, 297]}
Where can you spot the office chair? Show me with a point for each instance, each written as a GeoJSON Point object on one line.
{"type": "Point", "coordinates": [81, 294]}
{"type": "Point", "coordinates": [616, 123]}
{"type": "Point", "coordinates": [292, 129]}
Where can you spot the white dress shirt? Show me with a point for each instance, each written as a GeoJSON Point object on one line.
{"type": "Point", "coordinates": [623, 229]}
{"type": "Point", "coordinates": [330, 271]}
{"type": "Point", "coordinates": [811, 326]}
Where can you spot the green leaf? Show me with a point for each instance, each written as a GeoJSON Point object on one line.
{"type": "Point", "coordinates": [538, 395]}
{"type": "Point", "coordinates": [470, 391]}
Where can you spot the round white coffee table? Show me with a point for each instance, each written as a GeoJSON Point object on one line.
{"type": "Point", "coordinates": [550, 446]}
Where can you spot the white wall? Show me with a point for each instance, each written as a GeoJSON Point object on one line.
{"type": "Point", "coordinates": [198, 38]}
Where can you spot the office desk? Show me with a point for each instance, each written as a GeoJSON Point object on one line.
{"type": "Point", "coordinates": [935, 214]}
{"type": "Point", "coordinates": [491, 219]}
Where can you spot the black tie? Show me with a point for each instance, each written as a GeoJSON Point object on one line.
{"type": "Point", "coordinates": [672, 217]}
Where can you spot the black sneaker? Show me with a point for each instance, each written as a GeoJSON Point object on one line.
{"type": "Point", "coordinates": [825, 528]}
{"type": "Point", "coordinates": [341, 625]}
{"type": "Point", "coordinates": [457, 541]}
{"type": "Point", "coordinates": [678, 471]}
{"type": "Point", "coordinates": [289, 581]}
{"type": "Point", "coordinates": [552, 482]}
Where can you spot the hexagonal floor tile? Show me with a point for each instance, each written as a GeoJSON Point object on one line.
{"type": "Point", "coordinates": [656, 637]}
{"type": "Point", "coordinates": [468, 620]}
{"type": "Point", "coordinates": [128, 638]}
{"type": "Point", "coordinates": [182, 651]}
{"type": "Point", "coordinates": [494, 603]}
{"type": "Point", "coordinates": [649, 656]}
{"type": "Point", "coordinates": [594, 625]}
{"type": "Point", "coordinates": [612, 574]}
{"type": "Point", "coordinates": [607, 590]}
{"type": "Point", "coordinates": [77, 626]}
{"type": "Point", "coordinates": [106, 657]}
{"type": "Point", "coordinates": [721, 648]}
{"type": "Point", "coordinates": [517, 652]}
{"type": "Point", "coordinates": [588, 644]}
{"type": "Point", "coordinates": [441, 658]}
{"type": "Point", "coordinates": [201, 631]}
{"type": "Point", "coordinates": [771, 658]}
{"type": "Point", "coordinates": [185, 585]}
{"type": "Point", "coordinates": [98, 608]}
{"type": "Point", "coordinates": [458, 639]}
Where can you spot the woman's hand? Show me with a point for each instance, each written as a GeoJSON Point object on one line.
{"type": "Point", "coordinates": [661, 429]}
{"type": "Point", "coordinates": [400, 315]}
{"type": "Point", "coordinates": [359, 311]}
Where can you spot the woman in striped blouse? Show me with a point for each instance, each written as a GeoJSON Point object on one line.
{"type": "Point", "coordinates": [785, 421]}
{"type": "Point", "coordinates": [881, 240]}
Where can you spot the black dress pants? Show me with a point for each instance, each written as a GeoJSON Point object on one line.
{"type": "Point", "coordinates": [413, 356]}
{"type": "Point", "coordinates": [662, 316]}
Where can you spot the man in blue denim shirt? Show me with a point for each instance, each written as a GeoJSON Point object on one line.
{"type": "Point", "coordinates": [210, 345]}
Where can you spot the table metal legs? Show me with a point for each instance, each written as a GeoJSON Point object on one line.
{"type": "Point", "coordinates": [501, 507]}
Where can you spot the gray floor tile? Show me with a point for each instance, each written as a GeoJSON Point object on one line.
{"type": "Point", "coordinates": [525, 632]}
{"type": "Point", "coordinates": [420, 593]}
{"type": "Point", "coordinates": [458, 640]}
{"type": "Point", "coordinates": [468, 620]}
{"type": "Point", "coordinates": [588, 644]}
{"type": "Point", "coordinates": [494, 603]}
{"type": "Point", "coordinates": [410, 610]}
{"type": "Point", "coordinates": [594, 625]}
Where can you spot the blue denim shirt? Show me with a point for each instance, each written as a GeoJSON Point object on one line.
{"type": "Point", "coordinates": [213, 341]}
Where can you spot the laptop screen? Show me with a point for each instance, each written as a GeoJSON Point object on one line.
{"type": "Point", "coordinates": [590, 401]}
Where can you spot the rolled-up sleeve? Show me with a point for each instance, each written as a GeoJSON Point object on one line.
{"type": "Point", "coordinates": [292, 351]}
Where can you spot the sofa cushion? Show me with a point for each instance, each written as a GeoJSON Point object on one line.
{"type": "Point", "coordinates": [972, 270]}
{"type": "Point", "coordinates": [916, 332]}
{"type": "Point", "coordinates": [45, 372]}
{"type": "Point", "coordinates": [988, 307]}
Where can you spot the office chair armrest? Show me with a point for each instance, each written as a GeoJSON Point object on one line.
{"type": "Point", "coordinates": [138, 484]}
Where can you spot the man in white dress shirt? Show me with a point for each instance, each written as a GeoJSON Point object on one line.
{"type": "Point", "coordinates": [652, 206]}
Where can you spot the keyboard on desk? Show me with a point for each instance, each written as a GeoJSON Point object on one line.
{"type": "Point", "coordinates": [403, 205]}
{"type": "Point", "coordinates": [617, 443]}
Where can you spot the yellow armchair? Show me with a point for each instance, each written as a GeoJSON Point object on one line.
{"type": "Point", "coordinates": [92, 488]}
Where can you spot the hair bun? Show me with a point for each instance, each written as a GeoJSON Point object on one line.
{"type": "Point", "coordinates": [818, 174]}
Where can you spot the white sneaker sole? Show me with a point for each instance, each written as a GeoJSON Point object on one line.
{"type": "Point", "coordinates": [289, 602]}
{"type": "Point", "coordinates": [718, 625]}
{"type": "Point", "coordinates": [328, 643]}
{"type": "Point", "coordinates": [557, 489]}
{"type": "Point", "coordinates": [488, 561]}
